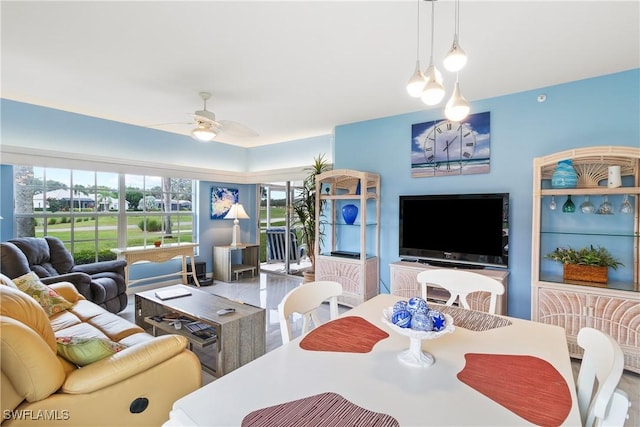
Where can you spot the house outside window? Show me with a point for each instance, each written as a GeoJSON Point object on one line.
{"type": "Point", "coordinates": [93, 212]}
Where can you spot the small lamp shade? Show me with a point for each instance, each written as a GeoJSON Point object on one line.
{"type": "Point", "coordinates": [236, 212]}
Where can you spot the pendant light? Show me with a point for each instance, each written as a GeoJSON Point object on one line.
{"type": "Point", "coordinates": [457, 107]}
{"type": "Point", "coordinates": [456, 58]}
{"type": "Point", "coordinates": [433, 91]}
{"type": "Point", "coordinates": [417, 81]}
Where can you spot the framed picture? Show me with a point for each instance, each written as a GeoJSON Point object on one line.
{"type": "Point", "coordinates": [443, 148]}
{"type": "Point", "coordinates": [221, 201]}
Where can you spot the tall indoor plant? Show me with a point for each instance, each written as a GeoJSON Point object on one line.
{"type": "Point", "coordinates": [305, 207]}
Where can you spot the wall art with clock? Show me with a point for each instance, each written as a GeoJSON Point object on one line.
{"type": "Point", "coordinates": [444, 148]}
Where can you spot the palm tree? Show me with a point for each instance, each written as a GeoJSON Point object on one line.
{"type": "Point", "coordinates": [305, 207]}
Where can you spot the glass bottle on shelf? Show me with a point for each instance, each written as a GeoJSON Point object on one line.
{"type": "Point", "coordinates": [569, 206]}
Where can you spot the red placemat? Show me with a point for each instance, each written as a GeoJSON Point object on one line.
{"type": "Point", "coordinates": [351, 334]}
{"type": "Point", "coordinates": [326, 409]}
{"type": "Point", "coordinates": [526, 385]}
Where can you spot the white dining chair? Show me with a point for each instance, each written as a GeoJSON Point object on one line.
{"type": "Point", "coordinates": [617, 410]}
{"type": "Point", "coordinates": [305, 300]}
{"type": "Point", "coordinates": [599, 375]}
{"type": "Point", "coordinates": [459, 284]}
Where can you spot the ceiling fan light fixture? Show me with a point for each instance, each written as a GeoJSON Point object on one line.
{"type": "Point", "coordinates": [203, 133]}
{"type": "Point", "coordinates": [457, 107]}
{"type": "Point", "coordinates": [433, 91]}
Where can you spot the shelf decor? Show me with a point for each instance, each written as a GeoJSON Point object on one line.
{"type": "Point", "coordinates": [585, 273]}
{"type": "Point", "coordinates": [349, 213]}
{"type": "Point", "coordinates": [585, 264]}
{"type": "Point", "coordinates": [565, 175]}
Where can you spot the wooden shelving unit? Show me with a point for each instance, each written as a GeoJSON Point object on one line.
{"type": "Point", "coordinates": [615, 307]}
{"type": "Point", "coordinates": [358, 273]}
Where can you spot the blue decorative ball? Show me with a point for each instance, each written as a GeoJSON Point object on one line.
{"type": "Point", "coordinates": [417, 305]}
{"type": "Point", "coordinates": [401, 318]}
{"type": "Point", "coordinates": [421, 322]}
{"type": "Point", "coordinates": [400, 305]}
{"type": "Point", "coordinates": [438, 319]}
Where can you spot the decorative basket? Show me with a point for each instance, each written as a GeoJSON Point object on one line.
{"type": "Point", "coordinates": [585, 273]}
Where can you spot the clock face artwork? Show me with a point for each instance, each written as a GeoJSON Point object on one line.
{"type": "Point", "coordinates": [448, 144]}
{"type": "Point", "coordinates": [443, 148]}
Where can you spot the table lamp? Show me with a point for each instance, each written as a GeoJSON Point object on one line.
{"type": "Point", "coordinates": [236, 212]}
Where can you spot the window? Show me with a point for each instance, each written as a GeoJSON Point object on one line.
{"type": "Point", "coordinates": [93, 212]}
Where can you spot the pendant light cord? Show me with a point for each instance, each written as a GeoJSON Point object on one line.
{"type": "Point", "coordinates": [433, 13]}
{"type": "Point", "coordinates": [418, 30]}
{"type": "Point", "coordinates": [457, 19]}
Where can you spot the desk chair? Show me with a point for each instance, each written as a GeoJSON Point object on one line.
{"type": "Point", "coordinates": [459, 284]}
{"type": "Point", "coordinates": [600, 373]}
{"type": "Point", "coordinates": [305, 299]}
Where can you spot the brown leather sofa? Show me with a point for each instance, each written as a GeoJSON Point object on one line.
{"type": "Point", "coordinates": [135, 386]}
{"type": "Point", "coordinates": [100, 282]}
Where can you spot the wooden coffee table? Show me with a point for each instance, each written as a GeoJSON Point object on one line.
{"type": "Point", "coordinates": [240, 335]}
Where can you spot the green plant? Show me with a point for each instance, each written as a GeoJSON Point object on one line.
{"type": "Point", "coordinates": [152, 224]}
{"type": "Point", "coordinates": [305, 207]}
{"type": "Point", "coordinates": [594, 256]}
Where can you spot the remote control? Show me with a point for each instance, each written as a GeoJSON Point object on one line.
{"type": "Point", "coordinates": [225, 311]}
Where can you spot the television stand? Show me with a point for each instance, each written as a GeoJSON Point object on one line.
{"type": "Point", "coordinates": [404, 283]}
{"type": "Point", "coordinates": [446, 264]}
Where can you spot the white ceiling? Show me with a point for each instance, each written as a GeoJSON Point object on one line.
{"type": "Point", "coordinates": [294, 69]}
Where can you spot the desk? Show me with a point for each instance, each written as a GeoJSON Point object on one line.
{"type": "Point", "coordinates": [159, 254]}
{"type": "Point", "coordinates": [378, 382]}
{"type": "Point", "coordinates": [225, 261]}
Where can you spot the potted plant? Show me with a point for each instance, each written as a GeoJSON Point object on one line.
{"type": "Point", "coordinates": [305, 209]}
{"type": "Point", "coordinates": [589, 264]}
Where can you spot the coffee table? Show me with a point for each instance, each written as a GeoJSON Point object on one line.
{"type": "Point", "coordinates": [240, 335]}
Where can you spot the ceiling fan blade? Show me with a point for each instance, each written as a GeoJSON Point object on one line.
{"type": "Point", "coordinates": [232, 128]}
{"type": "Point", "coordinates": [170, 124]}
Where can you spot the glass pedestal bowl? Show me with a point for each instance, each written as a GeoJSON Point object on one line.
{"type": "Point", "coordinates": [414, 356]}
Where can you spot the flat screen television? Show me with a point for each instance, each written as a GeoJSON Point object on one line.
{"type": "Point", "coordinates": [466, 230]}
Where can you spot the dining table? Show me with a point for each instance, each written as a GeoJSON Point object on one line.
{"type": "Point", "coordinates": [489, 370]}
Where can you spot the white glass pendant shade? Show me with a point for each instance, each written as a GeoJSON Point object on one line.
{"type": "Point", "coordinates": [433, 91]}
{"type": "Point", "coordinates": [457, 107]}
{"type": "Point", "coordinates": [203, 133]}
{"type": "Point", "coordinates": [416, 82]}
{"type": "Point", "coordinates": [456, 58]}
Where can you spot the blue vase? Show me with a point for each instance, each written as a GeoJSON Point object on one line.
{"type": "Point", "coordinates": [349, 213]}
{"type": "Point", "coordinates": [564, 176]}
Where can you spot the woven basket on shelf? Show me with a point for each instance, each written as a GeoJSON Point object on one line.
{"type": "Point", "coordinates": [585, 273]}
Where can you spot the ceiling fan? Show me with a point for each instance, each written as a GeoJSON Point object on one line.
{"type": "Point", "coordinates": [207, 127]}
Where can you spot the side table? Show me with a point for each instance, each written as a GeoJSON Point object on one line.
{"type": "Point", "coordinates": [233, 260]}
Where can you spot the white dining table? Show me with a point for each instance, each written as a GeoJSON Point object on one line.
{"type": "Point", "coordinates": [378, 381]}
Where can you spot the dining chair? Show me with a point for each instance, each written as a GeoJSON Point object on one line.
{"type": "Point", "coordinates": [599, 375]}
{"type": "Point", "coordinates": [617, 410]}
{"type": "Point", "coordinates": [305, 299]}
{"type": "Point", "coordinates": [459, 284]}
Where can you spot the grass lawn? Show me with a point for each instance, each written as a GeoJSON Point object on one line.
{"type": "Point", "coordinates": [84, 232]}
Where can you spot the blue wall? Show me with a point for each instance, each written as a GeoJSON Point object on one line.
{"type": "Point", "coordinates": [599, 111]}
{"type": "Point", "coordinates": [31, 126]}
{"type": "Point", "coordinates": [592, 112]}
